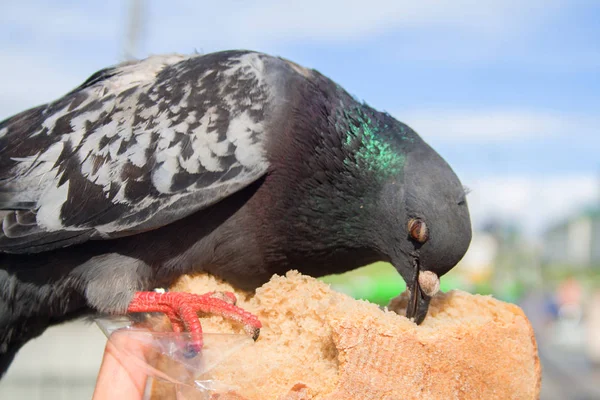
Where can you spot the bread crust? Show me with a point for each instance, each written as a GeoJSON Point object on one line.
{"type": "Point", "coordinates": [320, 344]}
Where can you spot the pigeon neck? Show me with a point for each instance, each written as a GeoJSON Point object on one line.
{"type": "Point", "coordinates": [364, 133]}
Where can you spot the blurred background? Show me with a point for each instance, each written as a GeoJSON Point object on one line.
{"type": "Point", "coordinates": [507, 91]}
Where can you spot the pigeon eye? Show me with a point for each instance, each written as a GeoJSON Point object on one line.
{"type": "Point", "coordinates": [418, 230]}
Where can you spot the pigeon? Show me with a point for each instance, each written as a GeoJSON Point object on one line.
{"type": "Point", "coordinates": [237, 164]}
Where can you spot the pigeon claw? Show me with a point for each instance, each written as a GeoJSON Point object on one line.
{"type": "Point", "coordinates": [254, 333]}
{"type": "Point", "coordinates": [190, 351]}
{"type": "Point", "coordinates": [182, 310]}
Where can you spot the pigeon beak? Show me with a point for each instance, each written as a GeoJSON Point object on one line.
{"type": "Point", "coordinates": [424, 286]}
{"type": "Point", "coordinates": [418, 303]}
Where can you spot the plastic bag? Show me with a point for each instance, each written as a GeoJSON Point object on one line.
{"type": "Point", "coordinates": [162, 356]}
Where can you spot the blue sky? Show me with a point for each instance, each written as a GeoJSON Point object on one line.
{"type": "Point", "coordinates": [507, 91]}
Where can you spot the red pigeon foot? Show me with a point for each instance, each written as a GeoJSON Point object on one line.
{"type": "Point", "coordinates": [181, 308]}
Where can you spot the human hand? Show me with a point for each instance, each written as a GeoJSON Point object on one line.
{"type": "Point", "coordinates": [119, 378]}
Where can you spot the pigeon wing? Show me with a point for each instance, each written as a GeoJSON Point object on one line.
{"type": "Point", "coordinates": [136, 147]}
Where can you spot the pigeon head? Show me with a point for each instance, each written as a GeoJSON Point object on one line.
{"type": "Point", "coordinates": [401, 203]}
{"type": "Point", "coordinates": [428, 206]}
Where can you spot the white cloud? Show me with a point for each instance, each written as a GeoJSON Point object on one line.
{"type": "Point", "coordinates": [41, 38]}
{"type": "Point", "coordinates": [495, 125]}
{"type": "Point", "coordinates": [28, 80]}
{"type": "Point", "coordinates": [263, 23]}
{"type": "Point", "coordinates": [534, 203]}
{"type": "Point", "coordinates": [187, 24]}
{"type": "Point", "coordinates": [208, 23]}
{"type": "Point", "coordinates": [51, 19]}
{"type": "Point", "coordinates": [49, 48]}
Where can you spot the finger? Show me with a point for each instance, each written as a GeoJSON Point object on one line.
{"type": "Point", "coordinates": [119, 376]}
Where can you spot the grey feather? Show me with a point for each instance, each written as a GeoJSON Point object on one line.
{"type": "Point", "coordinates": [137, 146]}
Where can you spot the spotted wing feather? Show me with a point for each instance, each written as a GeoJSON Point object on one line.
{"type": "Point", "coordinates": [135, 147]}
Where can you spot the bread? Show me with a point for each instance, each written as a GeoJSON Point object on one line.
{"type": "Point", "coordinates": [320, 344]}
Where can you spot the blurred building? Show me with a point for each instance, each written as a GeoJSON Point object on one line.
{"type": "Point", "coordinates": [574, 243]}
{"type": "Point", "coordinates": [478, 263]}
